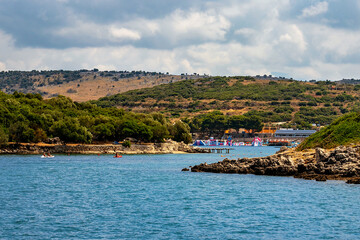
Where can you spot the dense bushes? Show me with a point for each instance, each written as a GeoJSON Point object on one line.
{"type": "Point", "coordinates": [29, 118]}
{"type": "Point", "coordinates": [217, 122]}
{"type": "Point", "coordinates": [216, 88]}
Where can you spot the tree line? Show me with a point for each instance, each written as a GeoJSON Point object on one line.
{"type": "Point", "coordinates": [216, 122]}
{"type": "Point", "coordinates": [30, 118]}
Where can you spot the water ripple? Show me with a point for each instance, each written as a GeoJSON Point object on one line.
{"type": "Point", "coordinates": [148, 197]}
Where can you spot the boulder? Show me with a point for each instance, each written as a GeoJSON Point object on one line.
{"type": "Point", "coordinates": [321, 155]}
{"type": "Point", "coordinates": [282, 149]}
{"type": "Point", "coordinates": [321, 178]}
{"type": "Point", "coordinates": [353, 181]}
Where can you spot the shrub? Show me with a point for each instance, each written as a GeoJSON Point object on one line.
{"type": "Point", "coordinates": [126, 144]}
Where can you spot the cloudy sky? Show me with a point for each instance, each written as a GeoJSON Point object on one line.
{"type": "Point", "coordinates": [303, 39]}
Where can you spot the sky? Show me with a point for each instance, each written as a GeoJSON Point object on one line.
{"type": "Point", "coordinates": [305, 39]}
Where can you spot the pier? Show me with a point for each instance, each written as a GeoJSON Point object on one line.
{"type": "Point", "coordinates": [218, 150]}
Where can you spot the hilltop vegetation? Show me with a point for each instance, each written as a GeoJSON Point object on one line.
{"type": "Point", "coordinates": [295, 102]}
{"type": "Point", "coordinates": [30, 118]}
{"type": "Point", "coordinates": [204, 103]}
{"type": "Point", "coordinates": [343, 131]}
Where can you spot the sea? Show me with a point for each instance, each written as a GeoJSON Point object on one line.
{"type": "Point", "coordinates": [149, 197]}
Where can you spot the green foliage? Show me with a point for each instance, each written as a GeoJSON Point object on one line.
{"type": "Point", "coordinates": [217, 122]}
{"type": "Point", "coordinates": [104, 131]}
{"type": "Point", "coordinates": [321, 116]}
{"type": "Point", "coordinates": [343, 131]}
{"type": "Point", "coordinates": [211, 88]}
{"type": "Point", "coordinates": [266, 100]}
{"type": "Point", "coordinates": [39, 135]}
{"type": "Point", "coordinates": [180, 132]}
{"type": "Point", "coordinates": [4, 138]}
{"type": "Point", "coordinates": [70, 130]}
{"type": "Point", "coordinates": [21, 132]}
{"type": "Point", "coordinates": [357, 87]}
{"type": "Point", "coordinates": [126, 144]}
{"type": "Point", "coordinates": [29, 118]}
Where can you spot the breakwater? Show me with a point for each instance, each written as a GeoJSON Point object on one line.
{"type": "Point", "coordinates": [342, 163]}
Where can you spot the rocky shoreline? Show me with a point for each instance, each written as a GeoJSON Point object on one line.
{"type": "Point", "coordinates": [341, 163]}
{"type": "Point", "coordinates": [168, 147]}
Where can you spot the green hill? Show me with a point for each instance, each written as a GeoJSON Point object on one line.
{"type": "Point", "coordinates": [299, 103]}
{"type": "Point", "coordinates": [343, 131]}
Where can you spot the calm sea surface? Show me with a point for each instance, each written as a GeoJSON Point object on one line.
{"type": "Point", "coordinates": [148, 197]}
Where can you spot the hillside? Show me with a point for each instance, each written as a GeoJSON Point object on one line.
{"type": "Point", "coordinates": [301, 103]}
{"type": "Point", "coordinates": [343, 131]}
{"type": "Point", "coordinates": [293, 103]}
{"type": "Point", "coordinates": [83, 85]}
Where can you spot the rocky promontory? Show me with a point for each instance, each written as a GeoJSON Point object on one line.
{"type": "Point", "coordinates": [167, 147]}
{"type": "Point", "coordinates": [341, 163]}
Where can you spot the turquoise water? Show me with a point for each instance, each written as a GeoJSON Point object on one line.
{"type": "Point", "coordinates": [148, 197]}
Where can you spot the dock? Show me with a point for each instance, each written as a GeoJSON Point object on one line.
{"type": "Point", "coordinates": [217, 150]}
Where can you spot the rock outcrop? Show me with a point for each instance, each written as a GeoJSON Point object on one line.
{"type": "Point", "coordinates": [319, 164]}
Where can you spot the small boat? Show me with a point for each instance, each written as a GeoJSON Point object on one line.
{"type": "Point", "coordinates": [47, 156]}
{"type": "Point", "coordinates": [117, 155]}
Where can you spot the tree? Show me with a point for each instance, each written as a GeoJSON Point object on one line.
{"type": "Point", "coordinates": [70, 130]}
{"type": "Point", "coordinates": [214, 121]}
{"type": "Point", "coordinates": [253, 124]}
{"type": "Point", "coordinates": [39, 135]}
{"type": "Point", "coordinates": [4, 138]}
{"type": "Point", "coordinates": [104, 131]}
{"type": "Point", "coordinates": [144, 132]}
{"type": "Point", "coordinates": [21, 132]}
{"type": "Point", "coordinates": [237, 121]}
{"type": "Point", "coordinates": [134, 129]}
{"type": "Point", "coordinates": [159, 132]}
{"type": "Point", "coordinates": [180, 132]}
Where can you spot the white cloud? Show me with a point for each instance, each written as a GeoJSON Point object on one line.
{"type": "Point", "coordinates": [203, 24]}
{"type": "Point", "coordinates": [291, 44]}
{"type": "Point", "coordinates": [90, 31]}
{"type": "Point", "coordinates": [123, 33]}
{"type": "Point", "coordinates": [314, 10]}
{"type": "Point", "coordinates": [245, 31]}
{"type": "Point", "coordinates": [185, 27]}
{"type": "Point", "coordinates": [334, 45]}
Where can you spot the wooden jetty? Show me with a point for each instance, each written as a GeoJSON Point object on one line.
{"type": "Point", "coordinates": [217, 150]}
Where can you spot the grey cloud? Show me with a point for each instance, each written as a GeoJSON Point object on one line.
{"type": "Point", "coordinates": [225, 37]}
{"type": "Point", "coordinates": [33, 23]}
{"type": "Point", "coordinates": [44, 23]}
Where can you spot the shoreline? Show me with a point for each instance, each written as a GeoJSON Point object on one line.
{"type": "Point", "coordinates": [169, 147]}
{"type": "Point", "coordinates": [341, 163]}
